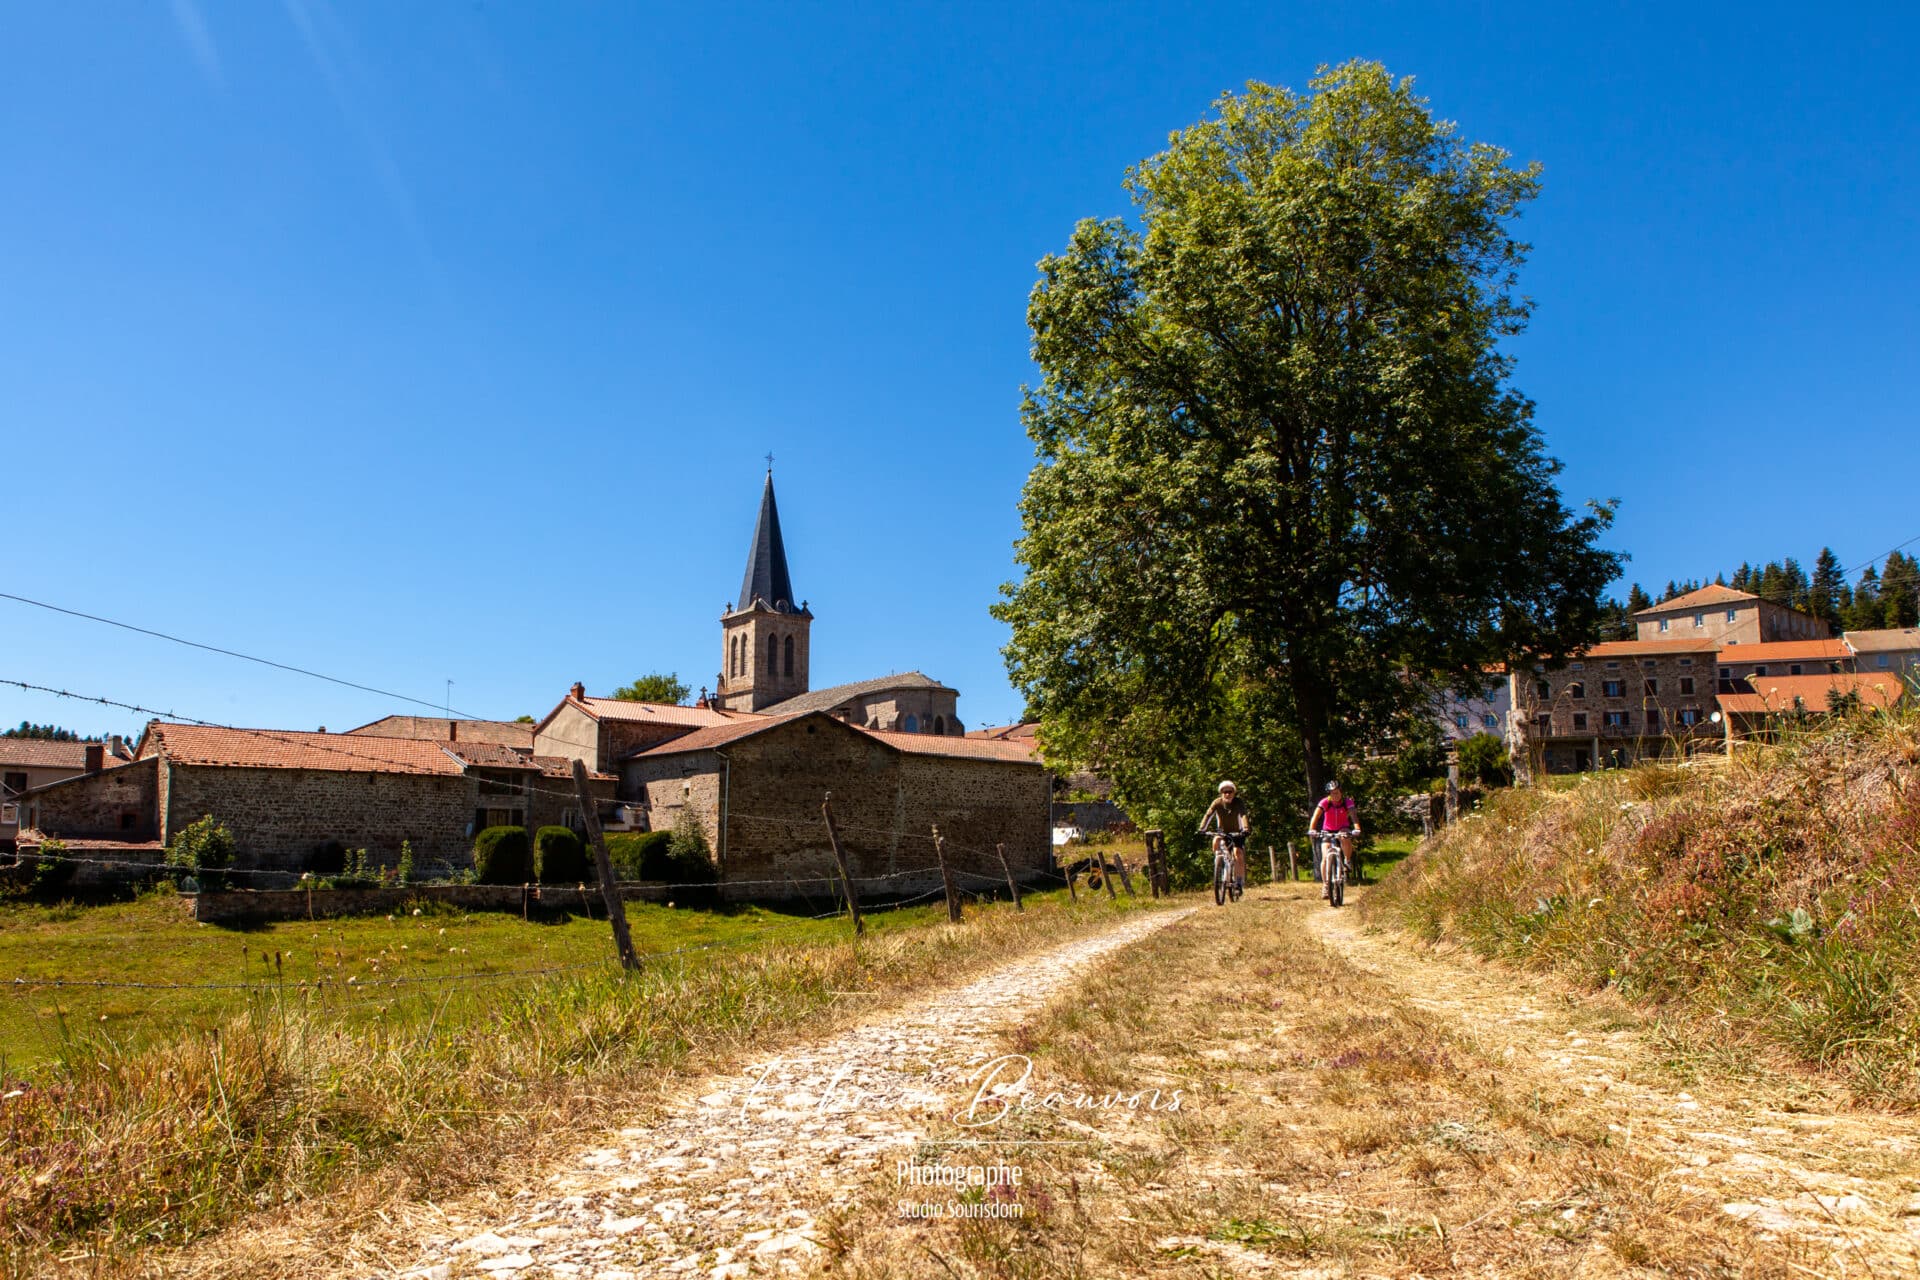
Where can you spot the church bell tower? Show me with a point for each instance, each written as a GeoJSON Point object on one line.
{"type": "Point", "coordinates": [764, 635]}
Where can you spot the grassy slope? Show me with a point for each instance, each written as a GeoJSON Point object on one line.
{"type": "Point", "coordinates": [1771, 901]}
{"type": "Point", "coordinates": [124, 1142]}
{"type": "Point", "coordinates": [154, 940]}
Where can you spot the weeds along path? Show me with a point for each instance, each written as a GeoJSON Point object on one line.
{"type": "Point", "coordinates": [1782, 1155]}
{"type": "Point", "coordinates": [730, 1182]}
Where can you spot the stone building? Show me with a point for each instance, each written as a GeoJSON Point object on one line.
{"type": "Point", "coordinates": [1757, 712]}
{"type": "Point", "coordinates": [289, 796]}
{"type": "Point", "coordinates": [756, 788]}
{"type": "Point", "coordinates": [26, 763]}
{"type": "Point", "coordinates": [1617, 703]}
{"type": "Point", "coordinates": [1726, 617]}
{"type": "Point", "coordinates": [602, 730]}
{"type": "Point", "coordinates": [905, 703]}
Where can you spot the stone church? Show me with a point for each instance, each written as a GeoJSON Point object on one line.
{"type": "Point", "coordinates": [766, 648]}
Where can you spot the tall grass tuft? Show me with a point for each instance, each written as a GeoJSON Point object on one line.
{"type": "Point", "coordinates": [1777, 892]}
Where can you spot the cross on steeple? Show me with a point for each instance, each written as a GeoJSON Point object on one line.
{"type": "Point", "coordinates": [769, 462]}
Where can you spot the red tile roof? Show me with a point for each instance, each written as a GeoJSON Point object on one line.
{"type": "Point", "coordinates": [39, 753]}
{"type": "Point", "coordinates": [193, 744]}
{"type": "Point", "coordinates": [1022, 732]}
{"type": "Point", "coordinates": [1705, 598]}
{"type": "Point", "coordinates": [1786, 651]}
{"type": "Point", "coordinates": [1809, 693]}
{"type": "Point", "coordinates": [924, 744]}
{"type": "Point", "coordinates": [1647, 648]}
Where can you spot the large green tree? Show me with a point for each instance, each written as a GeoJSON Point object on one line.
{"type": "Point", "coordinates": [1283, 485]}
{"type": "Point", "coordinates": [655, 687]}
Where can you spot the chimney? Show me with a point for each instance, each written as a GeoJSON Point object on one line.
{"type": "Point", "coordinates": [117, 746]}
{"type": "Point", "coordinates": [95, 753]}
{"type": "Point", "coordinates": [453, 731]}
{"type": "Point", "coordinates": [578, 692]}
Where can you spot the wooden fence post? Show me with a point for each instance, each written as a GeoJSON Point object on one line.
{"type": "Point", "coordinates": [1273, 866]}
{"type": "Point", "coordinates": [1293, 864]}
{"type": "Point", "coordinates": [946, 878]}
{"type": "Point", "coordinates": [839, 856]}
{"type": "Point", "coordinates": [1106, 876]}
{"type": "Point", "coordinates": [1073, 890]}
{"type": "Point", "coordinates": [616, 909]}
{"type": "Point", "coordinates": [1012, 887]}
{"type": "Point", "coordinates": [1125, 879]}
{"type": "Point", "coordinates": [1453, 785]}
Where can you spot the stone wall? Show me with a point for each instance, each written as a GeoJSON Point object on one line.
{"type": "Point", "coordinates": [571, 733]}
{"type": "Point", "coordinates": [1581, 723]}
{"type": "Point", "coordinates": [280, 817]}
{"type": "Point", "coordinates": [760, 806]}
{"type": "Point", "coordinates": [98, 804]}
{"type": "Point", "coordinates": [440, 729]}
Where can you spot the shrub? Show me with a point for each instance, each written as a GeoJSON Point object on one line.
{"type": "Point", "coordinates": [559, 857]}
{"type": "Point", "coordinates": [53, 870]}
{"type": "Point", "coordinates": [404, 872]}
{"type": "Point", "coordinates": [501, 856]}
{"type": "Point", "coordinates": [356, 872]}
{"type": "Point", "coordinates": [203, 850]}
{"type": "Point", "coordinates": [687, 847]}
{"type": "Point", "coordinates": [640, 855]}
{"type": "Point", "coordinates": [1483, 759]}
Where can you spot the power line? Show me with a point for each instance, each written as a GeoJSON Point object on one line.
{"type": "Point", "coordinates": [234, 653]}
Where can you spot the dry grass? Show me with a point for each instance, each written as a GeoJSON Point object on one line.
{"type": "Point", "coordinates": [1773, 900]}
{"type": "Point", "coordinates": [292, 1110]}
{"type": "Point", "coordinates": [1327, 1129]}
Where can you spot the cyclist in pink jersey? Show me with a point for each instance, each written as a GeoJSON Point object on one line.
{"type": "Point", "coordinates": [1334, 814]}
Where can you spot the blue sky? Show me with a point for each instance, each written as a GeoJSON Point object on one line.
{"type": "Point", "coordinates": [443, 341]}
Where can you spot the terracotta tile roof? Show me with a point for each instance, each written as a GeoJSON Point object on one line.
{"type": "Point", "coordinates": [514, 732]}
{"type": "Point", "coordinates": [828, 699]}
{"type": "Point", "coordinates": [193, 744]}
{"type": "Point", "coordinates": [1705, 598]}
{"type": "Point", "coordinates": [488, 755]}
{"type": "Point", "coordinates": [934, 744]}
{"type": "Point", "coordinates": [922, 744]}
{"type": "Point", "coordinates": [720, 735]}
{"type": "Point", "coordinates": [38, 753]}
{"type": "Point", "coordinates": [1647, 648]}
{"type": "Point", "coordinates": [1785, 651]}
{"type": "Point", "coordinates": [1023, 732]}
{"type": "Point", "coordinates": [1779, 693]}
{"type": "Point", "coordinates": [1891, 640]}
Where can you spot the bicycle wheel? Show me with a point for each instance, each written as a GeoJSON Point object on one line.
{"type": "Point", "coordinates": [1219, 886]}
{"type": "Point", "coordinates": [1339, 888]}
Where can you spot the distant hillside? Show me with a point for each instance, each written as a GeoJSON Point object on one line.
{"type": "Point", "coordinates": [1775, 896]}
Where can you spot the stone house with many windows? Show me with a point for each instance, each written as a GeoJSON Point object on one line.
{"type": "Point", "coordinates": [1617, 703]}
{"type": "Point", "coordinates": [1726, 617]}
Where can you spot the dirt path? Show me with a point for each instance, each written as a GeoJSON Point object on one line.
{"type": "Point", "coordinates": [1779, 1155]}
{"type": "Point", "coordinates": [731, 1182]}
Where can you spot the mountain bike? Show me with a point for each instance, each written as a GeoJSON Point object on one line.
{"type": "Point", "coordinates": [1227, 884]}
{"type": "Point", "coordinates": [1325, 842]}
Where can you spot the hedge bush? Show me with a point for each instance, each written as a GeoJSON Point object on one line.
{"type": "Point", "coordinates": [639, 855]}
{"type": "Point", "coordinates": [559, 857]}
{"type": "Point", "coordinates": [501, 856]}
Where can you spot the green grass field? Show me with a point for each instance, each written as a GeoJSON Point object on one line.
{"type": "Point", "coordinates": [179, 975]}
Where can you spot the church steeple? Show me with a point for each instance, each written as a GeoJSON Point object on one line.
{"type": "Point", "coordinates": [766, 577]}
{"type": "Point", "coordinates": [764, 634]}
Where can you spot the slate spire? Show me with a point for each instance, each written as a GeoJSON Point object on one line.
{"type": "Point", "coordinates": [766, 576]}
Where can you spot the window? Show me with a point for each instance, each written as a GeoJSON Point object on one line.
{"type": "Point", "coordinates": [911, 724]}
{"type": "Point", "coordinates": [1544, 723]}
{"type": "Point", "coordinates": [940, 726]}
{"type": "Point", "coordinates": [1577, 690]}
{"type": "Point", "coordinates": [1460, 721]}
{"type": "Point", "coordinates": [1686, 662]}
{"type": "Point", "coordinates": [128, 819]}
{"type": "Point", "coordinates": [1733, 615]}
{"type": "Point", "coordinates": [1613, 666]}
{"type": "Point", "coordinates": [1489, 721]}
{"type": "Point", "coordinates": [16, 782]}
{"type": "Point", "coordinates": [1579, 721]}
{"type": "Point", "coordinates": [1663, 624]}
{"type": "Point", "coordinates": [1686, 684]}
{"type": "Point", "coordinates": [773, 655]}
{"type": "Point", "coordinates": [1614, 688]}
{"type": "Point", "coordinates": [1616, 719]}
{"type": "Point", "coordinates": [9, 814]}
{"type": "Point", "coordinates": [1689, 716]}
{"type": "Point", "coordinates": [787, 657]}
{"type": "Point", "coordinates": [1653, 687]}
{"type": "Point", "coordinates": [1653, 719]}
{"type": "Point", "coordinates": [1576, 666]}
{"type": "Point", "coordinates": [1794, 669]}
{"type": "Point", "coordinates": [1880, 660]}
{"type": "Point", "coordinates": [1760, 670]}
{"type": "Point", "coordinates": [1699, 619]}
{"type": "Point", "coordinates": [1726, 673]}
{"type": "Point", "coordinates": [1545, 690]}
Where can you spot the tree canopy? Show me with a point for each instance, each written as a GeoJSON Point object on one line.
{"type": "Point", "coordinates": [1283, 485]}
{"type": "Point", "coordinates": [655, 687]}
